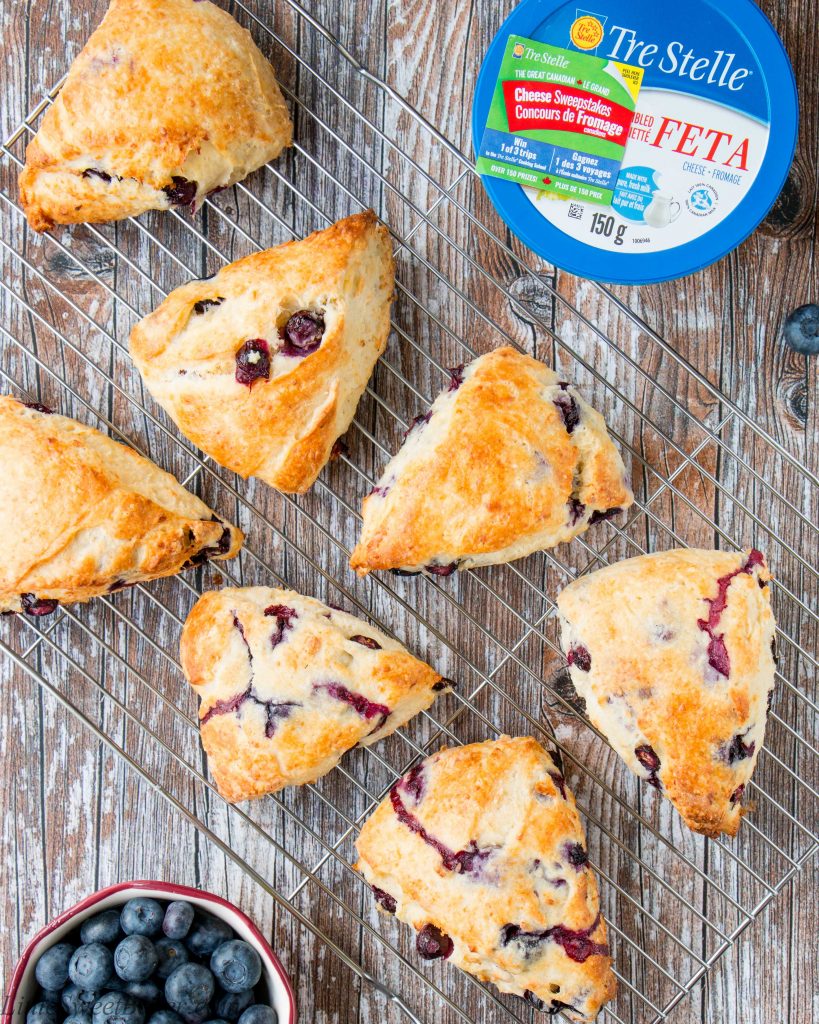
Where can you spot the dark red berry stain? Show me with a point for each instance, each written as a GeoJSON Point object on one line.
{"type": "Point", "coordinates": [576, 944]}
{"type": "Point", "coordinates": [738, 750]}
{"type": "Point", "coordinates": [576, 855]}
{"type": "Point", "coordinates": [736, 796]}
{"type": "Point", "coordinates": [456, 377]}
{"type": "Point", "coordinates": [718, 657]}
{"type": "Point", "coordinates": [433, 944]}
{"type": "Point", "coordinates": [284, 621]}
{"type": "Point", "coordinates": [302, 333]}
{"type": "Point", "coordinates": [366, 641]}
{"type": "Point", "coordinates": [599, 517]}
{"type": "Point", "coordinates": [203, 305]}
{"type": "Point", "coordinates": [94, 172]}
{"type": "Point", "coordinates": [405, 572]}
{"type": "Point", "coordinates": [253, 362]}
{"type": "Point", "coordinates": [414, 783]}
{"type": "Point", "coordinates": [221, 547]}
{"type": "Point", "coordinates": [647, 756]}
{"type": "Point", "coordinates": [37, 407]}
{"type": "Point", "coordinates": [468, 861]}
{"type": "Point", "coordinates": [558, 777]}
{"type": "Point", "coordinates": [442, 570]}
{"type": "Point", "coordinates": [181, 192]}
{"type": "Point", "coordinates": [443, 684]}
{"type": "Point", "coordinates": [569, 411]}
{"type": "Point", "coordinates": [580, 657]}
{"type": "Point", "coordinates": [33, 606]}
{"type": "Point", "coordinates": [576, 511]}
{"type": "Point", "coordinates": [339, 449]}
{"type": "Point", "coordinates": [358, 702]}
{"type": "Point", "coordinates": [384, 899]}
{"type": "Point", "coordinates": [418, 422]}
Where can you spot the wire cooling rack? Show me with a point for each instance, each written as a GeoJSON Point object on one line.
{"type": "Point", "coordinates": [704, 472]}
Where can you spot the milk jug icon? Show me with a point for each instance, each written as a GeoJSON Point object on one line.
{"type": "Point", "coordinates": [664, 210]}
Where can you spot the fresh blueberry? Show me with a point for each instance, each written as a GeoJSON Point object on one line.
{"type": "Point", "coordinates": [236, 966]}
{"type": "Point", "coordinates": [189, 989]}
{"type": "Point", "coordinates": [178, 919]}
{"type": "Point", "coordinates": [135, 958]}
{"type": "Point", "coordinates": [165, 1017]}
{"type": "Point", "coordinates": [432, 943]}
{"type": "Point", "coordinates": [145, 991]}
{"type": "Point", "coordinates": [52, 967]}
{"type": "Point", "coordinates": [142, 916]}
{"type": "Point", "coordinates": [802, 330]}
{"type": "Point", "coordinates": [43, 1013]}
{"type": "Point", "coordinates": [78, 1018]}
{"type": "Point", "coordinates": [118, 1008]}
{"type": "Point", "coordinates": [91, 966]}
{"type": "Point", "coordinates": [78, 1000]}
{"type": "Point", "coordinates": [207, 933]}
{"type": "Point", "coordinates": [259, 1015]}
{"type": "Point", "coordinates": [102, 927]}
{"type": "Point", "coordinates": [171, 953]}
{"type": "Point", "coordinates": [232, 1005]}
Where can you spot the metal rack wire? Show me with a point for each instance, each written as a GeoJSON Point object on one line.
{"type": "Point", "coordinates": [675, 903]}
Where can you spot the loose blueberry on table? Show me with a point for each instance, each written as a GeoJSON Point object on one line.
{"type": "Point", "coordinates": [151, 961]}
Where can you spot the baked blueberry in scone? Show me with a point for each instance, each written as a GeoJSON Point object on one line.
{"type": "Point", "coordinates": [288, 684]}
{"type": "Point", "coordinates": [167, 101]}
{"type": "Point", "coordinates": [262, 366]}
{"type": "Point", "coordinates": [480, 848]}
{"type": "Point", "coordinates": [673, 654]}
{"type": "Point", "coordinates": [508, 460]}
{"type": "Point", "coordinates": [85, 516]}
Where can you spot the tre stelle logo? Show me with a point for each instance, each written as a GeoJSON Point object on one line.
{"type": "Point", "coordinates": [518, 50]}
{"type": "Point", "coordinates": [586, 32]}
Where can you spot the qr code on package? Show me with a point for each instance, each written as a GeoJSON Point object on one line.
{"type": "Point", "coordinates": [576, 211]}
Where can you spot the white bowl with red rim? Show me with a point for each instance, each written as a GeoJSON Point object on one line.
{"type": "Point", "coordinates": [23, 988]}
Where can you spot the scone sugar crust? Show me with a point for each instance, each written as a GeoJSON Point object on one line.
{"type": "Point", "coordinates": [509, 460]}
{"type": "Point", "coordinates": [480, 848]}
{"type": "Point", "coordinates": [167, 101]}
{"type": "Point", "coordinates": [216, 355]}
{"type": "Point", "coordinates": [674, 655]}
{"type": "Point", "coordinates": [89, 515]}
{"type": "Point", "coordinates": [288, 684]}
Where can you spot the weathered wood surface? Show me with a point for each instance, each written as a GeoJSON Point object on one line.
{"type": "Point", "coordinates": [75, 817]}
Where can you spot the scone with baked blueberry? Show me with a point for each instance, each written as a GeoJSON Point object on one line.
{"type": "Point", "coordinates": [86, 516]}
{"type": "Point", "coordinates": [288, 685]}
{"type": "Point", "coordinates": [673, 654]}
{"type": "Point", "coordinates": [167, 101]}
{"type": "Point", "coordinates": [262, 366]}
{"type": "Point", "coordinates": [480, 849]}
{"type": "Point", "coordinates": [507, 461]}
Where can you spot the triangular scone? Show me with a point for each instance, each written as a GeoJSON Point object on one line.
{"type": "Point", "coordinates": [480, 848]}
{"type": "Point", "coordinates": [507, 461]}
{"type": "Point", "coordinates": [288, 685]}
{"type": "Point", "coordinates": [673, 654]}
{"type": "Point", "coordinates": [86, 516]}
{"type": "Point", "coordinates": [263, 365]}
{"type": "Point", "coordinates": [168, 100]}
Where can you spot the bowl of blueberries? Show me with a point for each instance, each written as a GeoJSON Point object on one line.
{"type": "Point", "coordinates": [150, 953]}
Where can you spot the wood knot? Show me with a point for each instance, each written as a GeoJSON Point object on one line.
{"type": "Point", "coordinates": [791, 213]}
{"type": "Point", "coordinates": [797, 400]}
{"type": "Point", "coordinates": [532, 292]}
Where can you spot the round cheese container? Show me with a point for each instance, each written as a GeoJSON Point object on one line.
{"type": "Point", "coordinates": [657, 135]}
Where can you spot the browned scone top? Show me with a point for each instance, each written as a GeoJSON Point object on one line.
{"type": "Point", "coordinates": [280, 426]}
{"type": "Point", "coordinates": [508, 460]}
{"type": "Point", "coordinates": [288, 685]}
{"type": "Point", "coordinates": [168, 100]}
{"type": "Point", "coordinates": [480, 848]}
{"type": "Point", "coordinates": [85, 515]}
{"type": "Point", "coordinates": [673, 654]}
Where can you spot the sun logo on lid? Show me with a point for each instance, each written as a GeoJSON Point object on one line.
{"type": "Point", "coordinates": [586, 32]}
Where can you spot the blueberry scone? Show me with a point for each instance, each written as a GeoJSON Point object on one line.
{"type": "Point", "coordinates": [168, 100]}
{"type": "Point", "coordinates": [262, 366]}
{"type": "Point", "coordinates": [480, 848]}
{"type": "Point", "coordinates": [673, 654]}
{"type": "Point", "coordinates": [507, 461]}
{"type": "Point", "coordinates": [104, 517]}
{"type": "Point", "coordinates": [288, 684]}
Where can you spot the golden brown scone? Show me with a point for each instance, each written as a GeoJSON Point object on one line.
{"type": "Point", "coordinates": [480, 848]}
{"type": "Point", "coordinates": [288, 684]}
{"type": "Point", "coordinates": [168, 100]}
{"type": "Point", "coordinates": [87, 516]}
{"type": "Point", "coordinates": [509, 460]}
{"type": "Point", "coordinates": [263, 365]}
{"type": "Point", "coordinates": [674, 655]}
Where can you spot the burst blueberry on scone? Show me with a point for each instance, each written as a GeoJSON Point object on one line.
{"type": "Point", "coordinates": [508, 460]}
{"type": "Point", "coordinates": [480, 848]}
{"type": "Point", "coordinates": [288, 685]}
{"type": "Point", "coordinates": [87, 516]}
{"type": "Point", "coordinates": [674, 655]}
{"type": "Point", "coordinates": [167, 101]}
{"type": "Point", "coordinates": [263, 365]}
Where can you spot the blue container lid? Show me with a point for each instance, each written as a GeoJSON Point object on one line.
{"type": "Point", "coordinates": [711, 144]}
